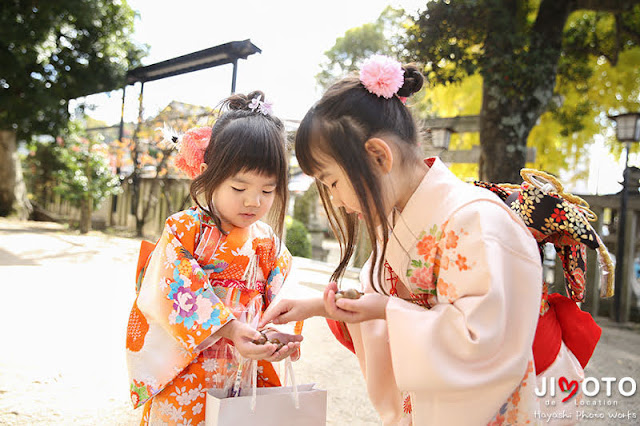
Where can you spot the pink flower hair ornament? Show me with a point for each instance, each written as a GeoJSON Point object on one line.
{"type": "Point", "coordinates": [191, 150]}
{"type": "Point", "coordinates": [382, 76]}
{"type": "Point", "coordinates": [191, 147]}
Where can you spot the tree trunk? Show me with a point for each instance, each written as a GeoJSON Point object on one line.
{"type": "Point", "coordinates": [85, 215]}
{"type": "Point", "coordinates": [86, 206]}
{"type": "Point", "coordinates": [139, 227]}
{"type": "Point", "coordinates": [503, 139]}
{"type": "Point", "coordinates": [13, 192]}
{"type": "Point", "coordinates": [518, 85]}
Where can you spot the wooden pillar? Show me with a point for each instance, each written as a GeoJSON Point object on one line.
{"type": "Point", "coordinates": [234, 76]}
{"type": "Point", "coordinates": [594, 274]}
{"type": "Point", "coordinates": [629, 268]}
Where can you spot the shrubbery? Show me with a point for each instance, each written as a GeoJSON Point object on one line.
{"type": "Point", "coordinates": [297, 240]}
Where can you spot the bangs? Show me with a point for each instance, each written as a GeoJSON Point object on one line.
{"type": "Point", "coordinates": [252, 146]}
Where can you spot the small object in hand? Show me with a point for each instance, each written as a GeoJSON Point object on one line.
{"type": "Point", "coordinates": [277, 342]}
{"type": "Point", "coordinates": [350, 293]}
{"type": "Point", "coordinates": [263, 340]}
{"type": "Point", "coordinates": [260, 340]}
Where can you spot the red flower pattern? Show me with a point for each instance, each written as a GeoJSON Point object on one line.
{"type": "Point", "coordinates": [559, 215]}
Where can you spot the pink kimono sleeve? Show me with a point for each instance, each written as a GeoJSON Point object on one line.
{"type": "Point", "coordinates": [483, 281]}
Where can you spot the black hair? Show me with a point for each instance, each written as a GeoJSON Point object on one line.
{"type": "Point", "coordinates": [244, 139]}
{"type": "Point", "coordinates": [340, 123]}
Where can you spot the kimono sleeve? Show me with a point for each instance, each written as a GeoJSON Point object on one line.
{"type": "Point", "coordinates": [175, 292]}
{"type": "Point", "coordinates": [482, 274]}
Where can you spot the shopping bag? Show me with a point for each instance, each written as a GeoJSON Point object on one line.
{"type": "Point", "coordinates": [295, 405]}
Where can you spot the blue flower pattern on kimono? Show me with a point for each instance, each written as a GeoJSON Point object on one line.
{"type": "Point", "coordinates": [217, 266]}
{"type": "Point", "coordinates": [275, 278]}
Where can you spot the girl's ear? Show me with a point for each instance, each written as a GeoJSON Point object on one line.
{"type": "Point", "coordinates": [380, 153]}
{"type": "Point", "coordinates": [203, 167]}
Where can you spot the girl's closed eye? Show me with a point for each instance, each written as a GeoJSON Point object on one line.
{"type": "Point", "coordinates": [237, 189]}
{"type": "Point", "coordinates": [268, 192]}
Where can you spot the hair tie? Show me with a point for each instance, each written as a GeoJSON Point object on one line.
{"type": "Point", "coordinates": [382, 76]}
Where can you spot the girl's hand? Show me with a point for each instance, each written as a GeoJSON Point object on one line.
{"type": "Point", "coordinates": [369, 306]}
{"type": "Point", "coordinates": [242, 336]}
{"type": "Point", "coordinates": [288, 310]}
{"type": "Point", "coordinates": [291, 345]}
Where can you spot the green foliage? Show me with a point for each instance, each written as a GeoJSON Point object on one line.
{"type": "Point", "coordinates": [512, 45]}
{"type": "Point", "coordinates": [305, 204]}
{"type": "Point", "coordinates": [54, 51]}
{"type": "Point", "coordinates": [297, 240]}
{"type": "Point", "coordinates": [39, 167]}
{"type": "Point", "coordinates": [73, 167]}
{"type": "Point", "coordinates": [458, 38]}
{"type": "Point", "coordinates": [361, 42]}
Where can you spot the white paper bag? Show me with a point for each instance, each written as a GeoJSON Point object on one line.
{"type": "Point", "coordinates": [301, 405]}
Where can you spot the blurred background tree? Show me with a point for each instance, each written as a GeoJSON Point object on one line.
{"type": "Point", "coordinates": [52, 52]}
{"type": "Point", "coordinates": [150, 158]}
{"type": "Point", "coordinates": [495, 59]}
{"type": "Point", "coordinates": [382, 36]}
{"type": "Point", "coordinates": [75, 168]}
{"type": "Point", "coordinates": [521, 49]}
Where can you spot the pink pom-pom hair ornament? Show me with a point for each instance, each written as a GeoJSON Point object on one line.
{"type": "Point", "coordinates": [382, 76]}
{"type": "Point", "coordinates": [191, 147]}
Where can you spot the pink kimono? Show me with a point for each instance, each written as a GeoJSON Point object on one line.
{"type": "Point", "coordinates": [460, 351]}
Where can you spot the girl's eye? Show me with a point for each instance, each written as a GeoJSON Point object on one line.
{"type": "Point", "coordinates": [268, 192]}
{"type": "Point", "coordinates": [237, 189]}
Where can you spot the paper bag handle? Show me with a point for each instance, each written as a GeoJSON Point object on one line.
{"type": "Point", "coordinates": [288, 372]}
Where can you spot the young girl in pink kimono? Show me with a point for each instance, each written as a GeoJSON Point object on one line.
{"type": "Point", "coordinates": [214, 270]}
{"type": "Point", "coordinates": [444, 329]}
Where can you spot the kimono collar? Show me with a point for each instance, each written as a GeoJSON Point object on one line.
{"type": "Point", "coordinates": [238, 235]}
{"type": "Point", "coordinates": [426, 207]}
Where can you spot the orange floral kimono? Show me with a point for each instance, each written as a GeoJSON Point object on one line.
{"type": "Point", "coordinates": [195, 281]}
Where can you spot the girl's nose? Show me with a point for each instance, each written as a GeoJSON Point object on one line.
{"type": "Point", "coordinates": [336, 201]}
{"type": "Point", "coordinates": [252, 201]}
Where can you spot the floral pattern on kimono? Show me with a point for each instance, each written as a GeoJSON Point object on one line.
{"type": "Point", "coordinates": [446, 266]}
{"type": "Point", "coordinates": [197, 280]}
{"type": "Point", "coordinates": [509, 413]}
{"type": "Point", "coordinates": [437, 251]}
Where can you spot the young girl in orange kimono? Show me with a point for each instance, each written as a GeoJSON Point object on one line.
{"type": "Point", "coordinates": [444, 330]}
{"type": "Point", "coordinates": [214, 270]}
